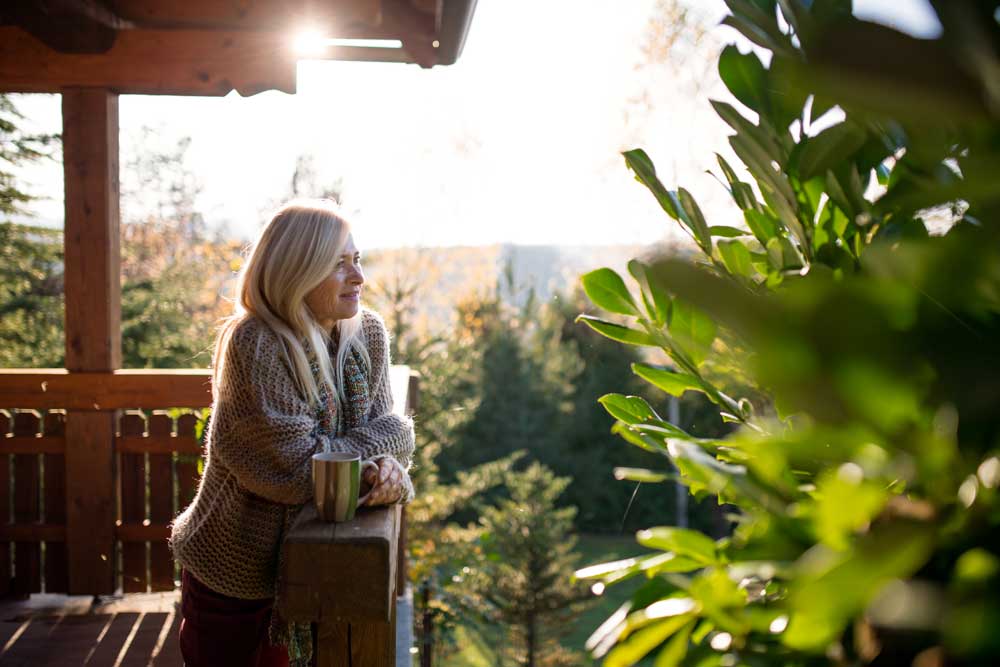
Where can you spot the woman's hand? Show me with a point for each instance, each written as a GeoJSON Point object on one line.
{"type": "Point", "coordinates": [387, 484]}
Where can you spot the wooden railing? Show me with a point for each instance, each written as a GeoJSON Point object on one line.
{"type": "Point", "coordinates": [138, 479]}
{"type": "Point", "coordinates": [345, 577]}
{"type": "Point", "coordinates": [342, 576]}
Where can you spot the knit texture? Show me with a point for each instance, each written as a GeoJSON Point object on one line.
{"type": "Point", "coordinates": [259, 446]}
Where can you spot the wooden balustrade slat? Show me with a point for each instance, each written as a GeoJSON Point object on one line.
{"type": "Point", "coordinates": [161, 505]}
{"type": "Point", "coordinates": [187, 466]}
{"type": "Point", "coordinates": [5, 570]}
{"type": "Point", "coordinates": [56, 560]}
{"type": "Point", "coordinates": [133, 505]}
{"type": "Point", "coordinates": [27, 498]}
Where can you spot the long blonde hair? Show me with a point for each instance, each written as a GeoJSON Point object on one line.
{"type": "Point", "coordinates": [293, 254]}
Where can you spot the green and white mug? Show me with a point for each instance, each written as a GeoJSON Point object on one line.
{"type": "Point", "coordinates": [336, 484]}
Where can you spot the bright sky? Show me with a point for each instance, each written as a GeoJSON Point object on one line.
{"type": "Point", "coordinates": [516, 143]}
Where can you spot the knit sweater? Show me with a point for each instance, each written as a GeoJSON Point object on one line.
{"type": "Point", "coordinates": [259, 446]}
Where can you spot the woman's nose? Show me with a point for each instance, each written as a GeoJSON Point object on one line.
{"type": "Point", "coordinates": [357, 276]}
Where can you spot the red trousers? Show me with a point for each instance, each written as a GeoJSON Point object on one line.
{"type": "Point", "coordinates": [220, 631]}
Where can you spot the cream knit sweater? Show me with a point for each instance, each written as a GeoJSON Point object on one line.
{"type": "Point", "coordinates": [260, 441]}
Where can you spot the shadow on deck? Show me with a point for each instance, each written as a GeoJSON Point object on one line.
{"type": "Point", "coordinates": [57, 630]}
{"type": "Point", "coordinates": [137, 630]}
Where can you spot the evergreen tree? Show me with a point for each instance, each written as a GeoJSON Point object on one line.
{"type": "Point", "coordinates": [31, 279]}
{"type": "Point", "coordinates": [521, 585]}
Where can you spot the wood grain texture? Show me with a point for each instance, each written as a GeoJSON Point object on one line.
{"type": "Point", "coordinates": [5, 551]}
{"type": "Point", "coordinates": [187, 465]}
{"type": "Point", "coordinates": [154, 62]}
{"type": "Point", "coordinates": [90, 502]}
{"type": "Point", "coordinates": [258, 15]}
{"type": "Point", "coordinates": [161, 505]}
{"type": "Point", "coordinates": [56, 559]}
{"type": "Point", "coordinates": [92, 237]}
{"type": "Point", "coordinates": [357, 577]}
{"type": "Point", "coordinates": [132, 475]}
{"type": "Point", "coordinates": [109, 390]}
{"type": "Point", "coordinates": [27, 508]}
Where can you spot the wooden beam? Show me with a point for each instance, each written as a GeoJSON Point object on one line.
{"type": "Point", "coordinates": [44, 389]}
{"type": "Point", "coordinates": [92, 236]}
{"type": "Point", "coordinates": [321, 15]}
{"type": "Point", "coordinates": [93, 329]}
{"type": "Point", "coordinates": [151, 62]}
{"type": "Point", "coordinates": [68, 26]}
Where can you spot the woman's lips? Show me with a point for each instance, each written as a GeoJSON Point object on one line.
{"type": "Point", "coordinates": [351, 296]}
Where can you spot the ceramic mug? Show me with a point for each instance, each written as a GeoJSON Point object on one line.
{"type": "Point", "coordinates": [336, 483]}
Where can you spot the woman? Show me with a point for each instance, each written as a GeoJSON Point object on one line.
{"type": "Point", "coordinates": [300, 368]}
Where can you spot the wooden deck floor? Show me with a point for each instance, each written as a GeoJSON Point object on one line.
{"type": "Point", "coordinates": [58, 630]}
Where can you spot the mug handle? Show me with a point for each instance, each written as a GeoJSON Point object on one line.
{"type": "Point", "coordinates": [364, 464]}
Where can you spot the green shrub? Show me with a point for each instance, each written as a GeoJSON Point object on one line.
{"type": "Point", "coordinates": [864, 465]}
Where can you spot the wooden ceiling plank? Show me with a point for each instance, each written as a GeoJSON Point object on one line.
{"type": "Point", "coordinates": [68, 26]}
{"type": "Point", "coordinates": [167, 62]}
{"type": "Point", "coordinates": [279, 15]}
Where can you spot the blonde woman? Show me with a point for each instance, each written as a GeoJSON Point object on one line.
{"type": "Point", "coordinates": [300, 368]}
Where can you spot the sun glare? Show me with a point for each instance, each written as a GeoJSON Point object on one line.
{"type": "Point", "coordinates": [309, 43]}
{"type": "Point", "coordinates": [312, 43]}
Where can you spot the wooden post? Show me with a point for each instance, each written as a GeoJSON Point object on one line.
{"type": "Point", "coordinates": [93, 329]}
{"type": "Point", "coordinates": [343, 576]}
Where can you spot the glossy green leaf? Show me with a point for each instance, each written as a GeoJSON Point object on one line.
{"type": "Point", "coordinates": [670, 381]}
{"type": "Point", "coordinates": [681, 541]}
{"type": "Point", "coordinates": [829, 148]}
{"type": "Point", "coordinates": [745, 77]}
{"type": "Point", "coordinates": [656, 301]}
{"type": "Point", "coordinates": [692, 330]}
{"type": "Point", "coordinates": [608, 291]}
{"type": "Point", "coordinates": [736, 257]}
{"type": "Point", "coordinates": [645, 173]}
{"type": "Point", "coordinates": [643, 641]}
{"type": "Point", "coordinates": [629, 409]}
{"type": "Point", "coordinates": [728, 232]}
{"type": "Point", "coordinates": [676, 648]}
{"type": "Point", "coordinates": [761, 224]}
{"type": "Point", "coordinates": [617, 332]}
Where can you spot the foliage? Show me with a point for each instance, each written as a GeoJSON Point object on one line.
{"type": "Point", "coordinates": [17, 148]}
{"type": "Point", "coordinates": [31, 297]}
{"type": "Point", "coordinates": [520, 585]}
{"type": "Point", "coordinates": [866, 467]}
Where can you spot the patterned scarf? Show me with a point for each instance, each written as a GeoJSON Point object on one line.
{"type": "Point", "coordinates": [297, 637]}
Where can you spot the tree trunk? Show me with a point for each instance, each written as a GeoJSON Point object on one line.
{"type": "Point", "coordinates": [427, 629]}
{"type": "Point", "coordinates": [531, 640]}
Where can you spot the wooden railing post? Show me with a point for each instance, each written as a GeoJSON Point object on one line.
{"type": "Point", "coordinates": [342, 576]}
{"type": "Point", "coordinates": [93, 329]}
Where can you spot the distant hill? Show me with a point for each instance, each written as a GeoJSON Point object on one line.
{"type": "Point", "coordinates": [440, 277]}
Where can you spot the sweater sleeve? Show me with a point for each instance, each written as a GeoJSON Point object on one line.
{"type": "Point", "coordinates": [386, 433]}
{"type": "Point", "coordinates": [263, 431]}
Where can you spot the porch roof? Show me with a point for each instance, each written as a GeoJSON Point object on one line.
{"type": "Point", "coordinates": [210, 47]}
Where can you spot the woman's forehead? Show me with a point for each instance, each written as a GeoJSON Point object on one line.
{"type": "Point", "coordinates": [349, 247]}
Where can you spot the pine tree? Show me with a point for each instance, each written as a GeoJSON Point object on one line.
{"type": "Point", "coordinates": [521, 585]}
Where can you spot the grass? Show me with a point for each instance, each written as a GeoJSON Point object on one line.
{"type": "Point", "coordinates": [593, 549]}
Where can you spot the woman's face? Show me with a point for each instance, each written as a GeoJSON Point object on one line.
{"type": "Point", "coordinates": [338, 297]}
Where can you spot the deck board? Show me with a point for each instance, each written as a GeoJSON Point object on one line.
{"type": "Point", "coordinates": [62, 630]}
{"type": "Point", "coordinates": [137, 629]}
